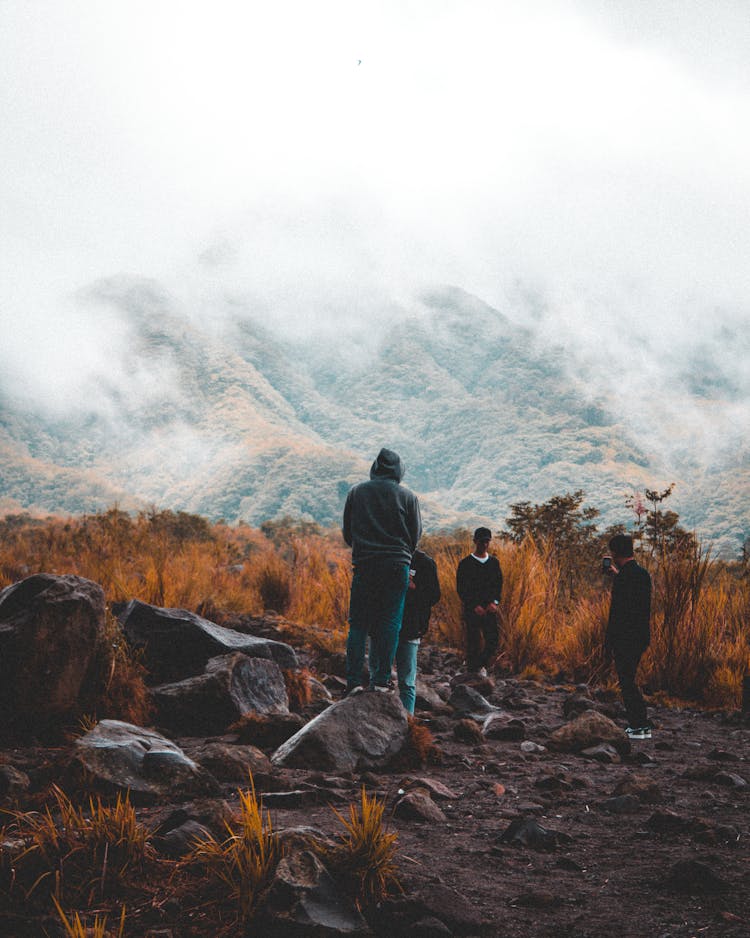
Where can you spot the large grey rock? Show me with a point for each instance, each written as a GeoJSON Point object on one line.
{"type": "Point", "coordinates": [304, 900]}
{"type": "Point", "coordinates": [117, 757]}
{"type": "Point", "coordinates": [49, 629]}
{"type": "Point", "coordinates": [363, 731]}
{"type": "Point", "coordinates": [588, 730]}
{"type": "Point", "coordinates": [177, 644]}
{"type": "Point", "coordinates": [231, 686]}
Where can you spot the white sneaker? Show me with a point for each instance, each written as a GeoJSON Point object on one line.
{"type": "Point", "coordinates": [482, 672]}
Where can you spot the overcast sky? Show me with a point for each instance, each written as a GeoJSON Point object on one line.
{"type": "Point", "coordinates": [323, 160]}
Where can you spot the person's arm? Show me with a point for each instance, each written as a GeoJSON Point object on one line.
{"type": "Point", "coordinates": [415, 524]}
{"type": "Point", "coordinates": [346, 530]}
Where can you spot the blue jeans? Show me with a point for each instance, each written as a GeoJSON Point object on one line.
{"type": "Point", "coordinates": [406, 667]}
{"type": "Point", "coordinates": [376, 607]}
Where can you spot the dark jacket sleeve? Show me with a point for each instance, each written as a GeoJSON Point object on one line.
{"type": "Point", "coordinates": [415, 523]}
{"type": "Point", "coordinates": [346, 529]}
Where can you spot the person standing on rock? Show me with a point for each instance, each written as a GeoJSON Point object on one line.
{"type": "Point", "coordinates": [421, 596]}
{"type": "Point", "coordinates": [479, 583]}
{"type": "Point", "coordinates": [628, 630]}
{"type": "Point", "coordinates": [382, 525]}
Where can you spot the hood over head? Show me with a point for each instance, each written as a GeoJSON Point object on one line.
{"type": "Point", "coordinates": [388, 465]}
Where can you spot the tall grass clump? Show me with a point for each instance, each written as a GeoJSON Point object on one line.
{"type": "Point", "coordinates": [530, 604]}
{"type": "Point", "coordinates": [77, 854]}
{"type": "Point", "coordinates": [241, 865]}
{"type": "Point", "coordinates": [366, 854]}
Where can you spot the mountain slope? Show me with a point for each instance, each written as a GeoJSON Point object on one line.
{"type": "Point", "coordinates": [234, 421]}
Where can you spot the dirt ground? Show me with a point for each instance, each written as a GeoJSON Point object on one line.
{"type": "Point", "coordinates": [670, 861]}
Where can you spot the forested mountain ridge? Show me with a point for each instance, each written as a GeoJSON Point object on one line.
{"type": "Point", "coordinates": [232, 419]}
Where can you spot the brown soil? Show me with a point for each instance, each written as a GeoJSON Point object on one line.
{"type": "Point", "coordinates": [609, 872]}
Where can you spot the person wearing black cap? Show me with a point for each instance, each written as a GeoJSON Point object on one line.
{"type": "Point", "coordinates": [382, 525]}
{"type": "Point", "coordinates": [479, 582]}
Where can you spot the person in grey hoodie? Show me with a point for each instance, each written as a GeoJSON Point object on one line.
{"type": "Point", "coordinates": [382, 525]}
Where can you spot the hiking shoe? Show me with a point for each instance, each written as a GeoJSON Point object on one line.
{"type": "Point", "coordinates": [382, 688]}
{"type": "Point", "coordinates": [351, 691]}
{"type": "Point", "coordinates": [638, 732]}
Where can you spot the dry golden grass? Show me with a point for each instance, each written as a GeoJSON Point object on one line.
{"type": "Point", "coordinates": [75, 928]}
{"type": "Point", "coordinates": [298, 689]}
{"type": "Point", "coordinates": [243, 863]}
{"type": "Point", "coordinates": [366, 854]}
{"type": "Point", "coordinates": [700, 648]}
{"type": "Point", "coordinates": [76, 853]}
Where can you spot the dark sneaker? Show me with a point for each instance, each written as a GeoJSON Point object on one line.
{"type": "Point", "coordinates": [638, 732]}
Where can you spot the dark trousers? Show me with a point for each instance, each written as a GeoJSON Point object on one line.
{"type": "Point", "coordinates": [482, 636]}
{"type": "Point", "coordinates": [627, 659]}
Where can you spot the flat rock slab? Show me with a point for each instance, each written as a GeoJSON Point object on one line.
{"type": "Point", "coordinates": [177, 644]}
{"type": "Point", "coordinates": [120, 757]}
{"type": "Point", "coordinates": [230, 687]}
{"type": "Point", "coordinates": [363, 731]}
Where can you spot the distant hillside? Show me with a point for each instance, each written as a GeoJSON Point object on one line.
{"type": "Point", "coordinates": [240, 423]}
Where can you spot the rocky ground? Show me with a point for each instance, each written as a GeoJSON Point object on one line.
{"type": "Point", "coordinates": [534, 816]}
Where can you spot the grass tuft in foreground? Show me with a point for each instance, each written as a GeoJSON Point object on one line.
{"type": "Point", "coordinates": [366, 855]}
{"type": "Point", "coordinates": [244, 862]}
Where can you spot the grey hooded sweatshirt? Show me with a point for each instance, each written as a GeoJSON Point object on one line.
{"type": "Point", "coordinates": [381, 517]}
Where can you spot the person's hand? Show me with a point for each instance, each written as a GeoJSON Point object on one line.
{"type": "Point", "coordinates": [479, 610]}
{"type": "Point", "coordinates": [412, 584]}
{"type": "Point", "coordinates": [492, 608]}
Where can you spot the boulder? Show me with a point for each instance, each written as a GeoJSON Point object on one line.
{"type": "Point", "coordinates": [177, 644]}
{"type": "Point", "coordinates": [49, 631]}
{"type": "Point", "coordinates": [363, 731]}
{"type": "Point", "coordinates": [303, 899]}
{"type": "Point", "coordinates": [504, 727]}
{"type": "Point", "coordinates": [588, 730]}
{"type": "Point", "coordinates": [229, 762]}
{"type": "Point", "coordinates": [231, 686]}
{"type": "Point", "coordinates": [427, 698]}
{"type": "Point", "coordinates": [117, 757]}
{"type": "Point", "coordinates": [268, 731]}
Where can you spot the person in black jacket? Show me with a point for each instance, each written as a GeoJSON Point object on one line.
{"type": "Point", "coordinates": [628, 630]}
{"type": "Point", "coordinates": [423, 593]}
{"type": "Point", "coordinates": [479, 582]}
{"type": "Point", "coordinates": [382, 525]}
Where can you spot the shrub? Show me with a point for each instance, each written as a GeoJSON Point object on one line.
{"type": "Point", "coordinates": [245, 861]}
{"type": "Point", "coordinates": [77, 853]}
{"type": "Point", "coordinates": [365, 857]}
{"type": "Point", "coordinates": [297, 688]}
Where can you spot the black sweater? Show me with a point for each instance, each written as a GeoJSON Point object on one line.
{"type": "Point", "coordinates": [479, 583]}
{"type": "Point", "coordinates": [421, 598]}
{"type": "Point", "coordinates": [630, 609]}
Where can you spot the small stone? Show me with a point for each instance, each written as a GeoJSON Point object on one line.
{"type": "Point", "coordinates": [602, 753]}
{"type": "Point", "coordinates": [531, 748]}
{"type": "Point", "coordinates": [622, 804]}
{"type": "Point", "coordinates": [418, 806]}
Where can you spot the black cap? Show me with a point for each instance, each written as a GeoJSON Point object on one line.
{"type": "Point", "coordinates": [483, 534]}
